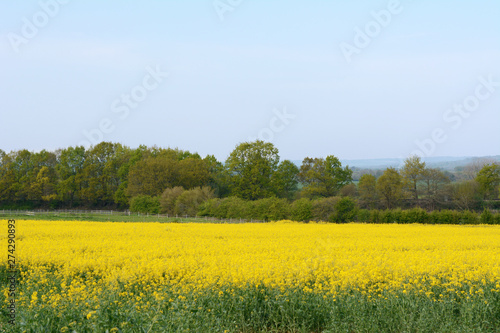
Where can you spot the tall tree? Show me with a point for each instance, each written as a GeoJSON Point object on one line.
{"type": "Point", "coordinates": [488, 179]}
{"type": "Point", "coordinates": [152, 176]}
{"type": "Point", "coordinates": [251, 166]}
{"type": "Point", "coordinates": [389, 186]}
{"type": "Point", "coordinates": [323, 177]}
{"type": "Point", "coordinates": [412, 172]}
{"type": "Point", "coordinates": [100, 173]}
{"type": "Point", "coordinates": [69, 168]}
{"type": "Point", "coordinates": [285, 179]}
{"type": "Point", "coordinates": [367, 189]}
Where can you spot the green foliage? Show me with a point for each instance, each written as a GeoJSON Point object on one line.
{"type": "Point", "coordinates": [389, 186]}
{"type": "Point", "coordinates": [345, 210]}
{"type": "Point", "coordinates": [488, 179]}
{"type": "Point", "coordinates": [487, 217]}
{"type": "Point", "coordinates": [188, 202]}
{"type": "Point", "coordinates": [168, 199]}
{"type": "Point", "coordinates": [250, 167]}
{"type": "Point", "coordinates": [301, 210]}
{"type": "Point", "coordinates": [417, 215]}
{"type": "Point", "coordinates": [323, 177]}
{"type": "Point", "coordinates": [367, 191]}
{"type": "Point", "coordinates": [285, 180]}
{"type": "Point", "coordinates": [324, 209]}
{"type": "Point", "coordinates": [145, 204]}
{"type": "Point", "coordinates": [412, 172]}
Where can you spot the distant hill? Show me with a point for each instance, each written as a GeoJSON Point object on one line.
{"type": "Point", "coordinates": [441, 162]}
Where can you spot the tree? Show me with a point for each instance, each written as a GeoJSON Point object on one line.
{"type": "Point", "coordinates": [412, 172]}
{"type": "Point", "coordinates": [323, 177]}
{"type": "Point", "coordinates": [367, 190]}
{"type": "Point", "coordinates": [152, 176]}
{"type": "Point", "coordinates": [389, 186]}
{"type": "Point", "coordinates": [100, 173]}
{"type": "Point", "coordinates": [488, 179]}
{"type": "Point", "coordinates": [435, 186]}
{"type": "Point", "coordinates": [193, 172]}
{"type": "Point", "coordinates": [471, 170]}
{"type": "Point", "coordinates": [70, 162]}
{"type": "Point", "coordinates": [285, 179]}
{"type": "Point", "coordinates": [250, 167]}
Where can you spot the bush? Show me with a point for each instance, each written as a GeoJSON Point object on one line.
{"type": "Point", "coordinates": [188, 202]}
{"type": "Point", "coordinates": [345, 210]}
{"type": "Point", "coordinates": [486, 217]}
{"type": "Point", "coordinates": [268, 209]}
{"type": "Point", "coordinates": [145, 204]}
{"type": "Point", "coordinates": [469, 217]}
{"type": "Point", "coordinates": [375, 216]}
{"type": "Point", "coordinates": [324, 209]}
{"type": "Point", "coordinates": [168, 198]}
{"type": "Point", "coordinates": [301, 210]}
{"type": "Point", "coordinates": [416, 215]}
{"type": "Point", "coordinates": [364, 215]}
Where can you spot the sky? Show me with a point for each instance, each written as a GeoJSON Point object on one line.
{"type": "Point", "coordinates": [357, 79]}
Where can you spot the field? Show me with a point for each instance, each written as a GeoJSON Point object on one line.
{"type": "Point", "coordinates": [274, 277]}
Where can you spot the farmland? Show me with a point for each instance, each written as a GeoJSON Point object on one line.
{"type": "Point", "coordinates": [280, 277]}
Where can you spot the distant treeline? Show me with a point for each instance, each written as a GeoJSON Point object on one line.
{"type": "Point", "coordinates": [252, 180]}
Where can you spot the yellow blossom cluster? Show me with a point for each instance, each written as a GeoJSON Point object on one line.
{"type": "Point", "coordinates": [88, 258]}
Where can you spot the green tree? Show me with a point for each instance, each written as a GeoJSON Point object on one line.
{"type": "Point", "coordinates": [193, 172]}
{"type": "Point", "coordinates": [488, 179]}
{"type": "Point", "coordinates": [285, 179]}
{"type": "Point", "coordinates": [100, 173]}
{"type": "Point", "coordinates": [367, 189]}
{"type": "Point", "coordinates": [251, 166]}
{"type": "Point", "coordinates": [412, 173]}
{"type": "Point", "coordinates": [323, 177]}
{"type": "Point", "coordinates": [69, 169]}
{"type": "Point", "coordinates": [345, 210]}
{"type": "Point", "coordinates": [389, 186]}
{"type": "Point", "coordinates": [218, 176]}
{"type": "Point", "coordinates": [152, 176]}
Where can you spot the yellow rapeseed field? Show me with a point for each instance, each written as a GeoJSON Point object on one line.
{"type": "Point", "coordinates": [89, 257]}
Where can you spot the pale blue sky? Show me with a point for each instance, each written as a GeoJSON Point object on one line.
{"type": "Point", "coordinates": [228, 78]}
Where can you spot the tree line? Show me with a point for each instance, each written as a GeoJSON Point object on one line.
{"type": "Point", "coordinates": [173, 181]}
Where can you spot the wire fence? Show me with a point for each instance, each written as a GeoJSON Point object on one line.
{"type": "Point", "coordinates": [116, 213]}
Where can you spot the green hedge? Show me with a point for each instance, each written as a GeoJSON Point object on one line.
{"type": "Point", "coordinates": [335, 209]}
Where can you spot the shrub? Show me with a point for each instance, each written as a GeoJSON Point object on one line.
{"type": "Point", "coordinates": [188, 202]}
{"type": "Point", "coordinates": [269, 209]}
{"type": "Point", "coordinates": [145, 204]}
{"type": "Point", "coordinates": [168, 198]}
{"type": "Point", "coordinates": [375, 216]}
{"type": "Point", "coordinates": [324, 209]}
{"type": "Point", "coordinates": [301, 210]}
{"type": "Point", "coordinates": [363, 215]}
{"type": "Point", "coordinates": [417, 215]}
{"type": "Point", "coordinates": [468, 217]}
{"type": "Point", "coordinates": [486, 217]}
{"type": "Point", "coordinates": [345, 210]}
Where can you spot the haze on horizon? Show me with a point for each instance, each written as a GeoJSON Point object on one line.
{"type": "Point", "coordinates": [371, 79]}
